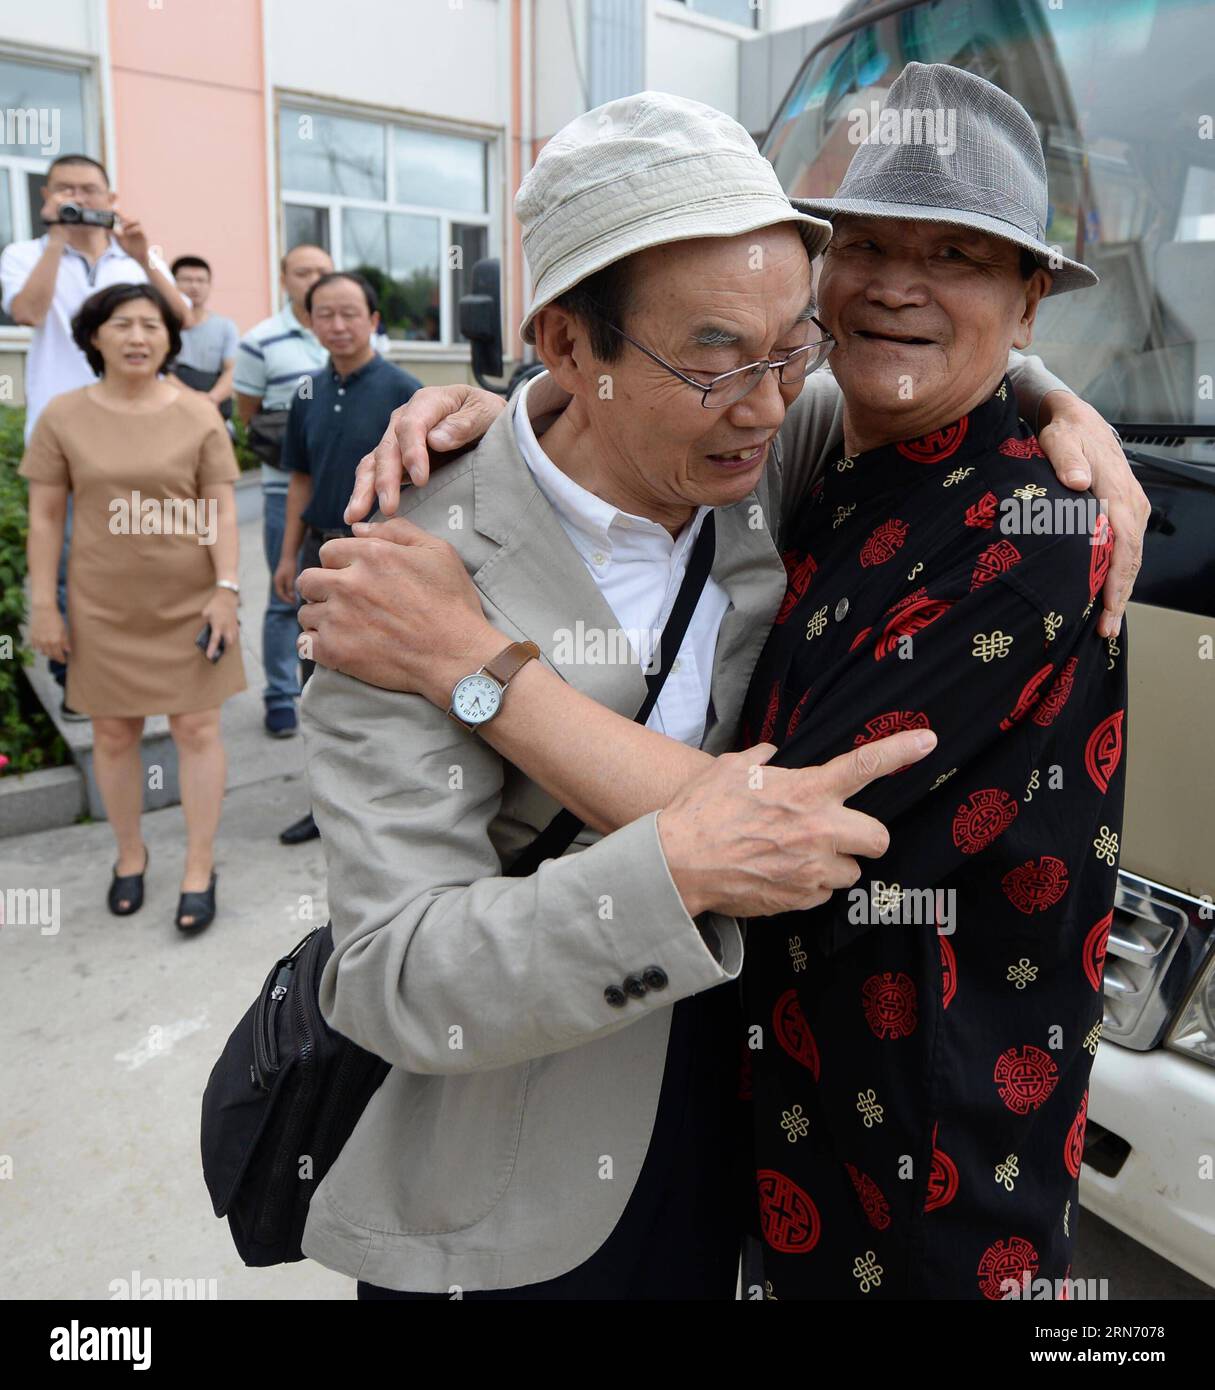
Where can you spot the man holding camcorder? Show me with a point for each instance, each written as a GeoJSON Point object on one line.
{"type": "Point", "coordinates": [87, 246]}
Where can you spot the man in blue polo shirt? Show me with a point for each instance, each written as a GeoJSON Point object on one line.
{"type": "Point", "coordinates": [271, 360]}
{"type": "Point", "coordinates": [337, 416]}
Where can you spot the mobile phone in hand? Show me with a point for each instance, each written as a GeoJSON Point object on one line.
{"type": "Point", "coordinates": [203, 641]}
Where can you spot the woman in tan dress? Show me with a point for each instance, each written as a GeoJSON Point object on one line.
{"type": "Point", "coordinates": [152, 561]}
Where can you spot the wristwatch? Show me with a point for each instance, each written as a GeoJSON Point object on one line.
{"type": "Point", "coordinates": [477, 698]}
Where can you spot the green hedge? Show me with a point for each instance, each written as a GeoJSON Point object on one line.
{"type": "Point", "coordinates": [27, 737]}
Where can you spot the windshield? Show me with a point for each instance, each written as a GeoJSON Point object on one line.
{"type": "Point", "coordinates": [1120, 92]}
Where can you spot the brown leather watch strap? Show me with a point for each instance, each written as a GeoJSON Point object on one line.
{"type": "Point", "coordinates": [509, 662]}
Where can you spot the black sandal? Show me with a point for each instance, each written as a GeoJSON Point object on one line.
{"type": "Point", "coordinates": [199, 904]}
{"type": "Point", "coordinates": [127, 888]}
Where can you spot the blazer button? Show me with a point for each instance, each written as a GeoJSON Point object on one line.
{"type": "Point", "coordinates": [615, 996]}
{"type": "Point", "coordinates": [655, 977]}
{"type": "Point", "coordinates": [635, 986]}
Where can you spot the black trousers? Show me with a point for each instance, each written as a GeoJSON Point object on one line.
{"type": "Point", "coordinates": [680, 1233]}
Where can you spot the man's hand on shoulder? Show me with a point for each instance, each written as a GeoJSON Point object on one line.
{"type": "Point", "coordinates": [1085, 454]}
{"type": "Point", "coordinates": [442, 418]}
{"type": "Point", "coordinates": [394, 606]}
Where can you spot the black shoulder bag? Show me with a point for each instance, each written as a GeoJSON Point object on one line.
{"type": "Point", "coordinates": [287, 1091]}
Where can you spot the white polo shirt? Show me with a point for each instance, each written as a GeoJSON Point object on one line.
{"type": "Point", "coordinates": [638, 567]}
{"type": "Point", "coordinates": [55, 364]}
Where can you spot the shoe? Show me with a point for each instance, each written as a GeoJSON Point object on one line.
{"type": "Point", "coordinates": [303, 829]}
{"type": "Point", "coordinates": [127, 888]}
{"type": "Point", "coordinates": [281, 721]}
{"type": "Point", "coordinates": [197, 904]}
{"type": "Point", "coordinates": [72, 716]}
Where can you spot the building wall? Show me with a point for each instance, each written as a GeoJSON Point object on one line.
{"type": "Point", "coordinates": [428, 57]}
{"type": "Point", "coordinates": [692, 56]}
{"type": "Point", "coordinates": [72, 25]}
{"type": "Point", "coordinates": [189, 120]}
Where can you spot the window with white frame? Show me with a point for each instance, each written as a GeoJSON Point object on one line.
{"type": "Point", "coordinates": [406, 207]}
{"type": "Point", "coordinates": [743, 12]}
{"type": "Point", "coordinates": [43, 114]}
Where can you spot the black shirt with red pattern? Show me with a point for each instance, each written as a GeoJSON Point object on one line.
{"type": "Point", "coordinates": [920, 1046]}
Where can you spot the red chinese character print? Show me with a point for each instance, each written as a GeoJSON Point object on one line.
{"type": "Point", "coordinates": [873, 1203]}
{"type": "Point", "coordinates": [799, 571]}
{"type": "Point", "coordinates": [1052, 706]}
{"type": "Point", "coordinates": [1103, 750]}
{"type": "Point", "coordinates": [1073, 1149]}
{"type": "Point", "coordinates": [997, 559]}
{"type": "Point", "coordinates": [936, 445]}
{"type": "Point", "coordinates": [982, 515]}
{"type": "Point", "coordinates": [1025, 1078]}
{"type": "Point", "coordinates": [793, 1032]}
{"type": "Point", "coordinates": [886, 540]}
{"type": "Point", "coordinates": [982, 817]}
{"type": "Point", "coordinates": [1028, 697]}
{"type": "Point", "coordinates": [1015, 448]}
{"type": "Point", "coordinates": [788, 1218]}
{"type": "Point", "coordinates": [1035, 885]}
{"type": "Point", "coordinates": [1094, 949]}
{"type": "Point", "coordinates": [889, 1003]}
{"type": "Point", "coordinates": [1012, 1262]}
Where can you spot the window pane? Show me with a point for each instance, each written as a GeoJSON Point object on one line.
{"type": "Point", "coordinates": [473, 243]}
{"type": "Point", "coordinates": [331, 154]}
{"type": "Point", "coordinates": [41, 111]}
{"type": "Point", "coordinates": [439, 170]}
{"type": "Point", "coordinates": [736, 11]}
{"type": "Point", "coordinates": [399, 254]}
{"type": "Point", "coordinates": [303, 226]}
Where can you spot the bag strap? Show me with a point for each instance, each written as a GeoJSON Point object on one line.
{"type": "Point", "coordinates": [560, 832]}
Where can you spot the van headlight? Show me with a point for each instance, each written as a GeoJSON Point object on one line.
{"type": "Point", "coordinates": [1194, 1031]}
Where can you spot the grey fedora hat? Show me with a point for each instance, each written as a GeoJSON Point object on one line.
{"type": "Point", "coordinates": [950, 147]}
{"type": "Point", "coordinates": [642, 171]}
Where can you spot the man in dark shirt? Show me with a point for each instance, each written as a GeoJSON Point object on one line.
{"type": "Point", "coordinates": [921, 1097]}
{"type": "Point", "coordinates": [337, 415]}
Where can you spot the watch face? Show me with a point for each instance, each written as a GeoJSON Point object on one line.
{"type": "Point", "coordinates": [476, 698]}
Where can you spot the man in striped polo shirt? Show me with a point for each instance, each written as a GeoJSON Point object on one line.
{"type": "Point", "coordinates": [270, 361]}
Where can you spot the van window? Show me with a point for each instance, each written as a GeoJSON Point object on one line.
{"type": "Point", "coordinates": [1119, 92]}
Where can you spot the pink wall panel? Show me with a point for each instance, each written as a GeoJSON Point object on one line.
{"type": "Point", "coordinates": [190, 133]}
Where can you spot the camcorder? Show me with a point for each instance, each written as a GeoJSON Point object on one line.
{"type": "Point", "coordinates": [73, 214]}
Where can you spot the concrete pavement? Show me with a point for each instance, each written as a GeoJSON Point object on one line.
{"type": "Point", "coordinates": [109, 1027]}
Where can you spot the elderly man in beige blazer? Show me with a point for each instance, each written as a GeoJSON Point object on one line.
{"type": "Point", "coordinates": [558, 1121]}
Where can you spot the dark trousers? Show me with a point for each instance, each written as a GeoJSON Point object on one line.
{"type": "Point", "coordinates": [681, 1231]}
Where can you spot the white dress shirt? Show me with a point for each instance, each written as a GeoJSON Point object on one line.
{"type": "Point", "coordinates": [55, 364]}
{"type": "Point", "coordinates": [638, 567]}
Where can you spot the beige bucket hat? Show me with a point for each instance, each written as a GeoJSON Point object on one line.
{"type": "Point", "coordinates": [643, 171]}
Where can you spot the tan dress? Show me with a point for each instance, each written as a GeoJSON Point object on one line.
{"type": "Point", "coordinates": [140, 565]}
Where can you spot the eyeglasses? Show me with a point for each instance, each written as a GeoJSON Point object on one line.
{"type": "Point", "coordinates": [731, 387]}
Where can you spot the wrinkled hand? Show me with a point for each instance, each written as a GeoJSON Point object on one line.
{"type": "Point", "coordinates": [441, 418]}
{"type": "Point", "coordinates": [1084, 453]}
{"type": "Point", "coordinates": [749, 840]}
{"type": "Point", "coordinates": [220, 612]}
{"type": "Point", "coordinates": [49, 633]}
{"type": "Point", "coordinates": [395, 607]}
